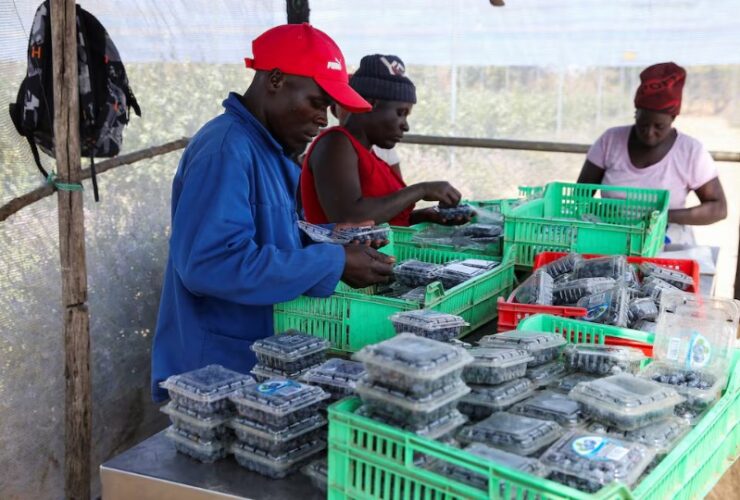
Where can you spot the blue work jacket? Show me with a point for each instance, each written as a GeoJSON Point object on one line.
{"type": "Point", "coordinates": [235, 248]}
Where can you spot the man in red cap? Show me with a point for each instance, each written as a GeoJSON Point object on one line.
{"type": "Point", "coordinates": [653, 154]}
{"type": "Point", "coordinates": [235, 248]}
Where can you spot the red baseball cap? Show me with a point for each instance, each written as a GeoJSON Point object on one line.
{"type": "Point", "coordinates": [302, 50]}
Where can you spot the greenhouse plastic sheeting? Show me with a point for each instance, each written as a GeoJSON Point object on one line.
{"type": "Point", "coordinates": [184, 56]}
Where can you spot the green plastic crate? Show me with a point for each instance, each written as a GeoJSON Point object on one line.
{"type": "Point", "coordinates": [559, 222]}
{"type": "Point", "coordinates": [403, 236]}
{"type": "Point", "coordinates": [352, 319]}
{"type": "Point", "coordinates": [370, 460]}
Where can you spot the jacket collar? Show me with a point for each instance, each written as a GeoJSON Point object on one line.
{"type": "Point", "coordinates": [233, 104]}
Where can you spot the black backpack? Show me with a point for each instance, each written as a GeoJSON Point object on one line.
{"type": "Point", "coordinates": [105, 96]}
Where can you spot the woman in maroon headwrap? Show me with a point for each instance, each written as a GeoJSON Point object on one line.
{"type": "Point", "coordinates": [653, 154]}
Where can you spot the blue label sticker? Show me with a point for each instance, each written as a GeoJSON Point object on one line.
{"type": "Point", "coordinates": [274, 386]}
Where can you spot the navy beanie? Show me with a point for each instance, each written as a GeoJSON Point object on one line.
{"type": "Point", "coordinates": [383, 77]}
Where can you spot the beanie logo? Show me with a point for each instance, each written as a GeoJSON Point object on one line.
{"type": "Point", "coordinates": [394, 68]}
{"type": "Point", "coordinates": [336, 64]}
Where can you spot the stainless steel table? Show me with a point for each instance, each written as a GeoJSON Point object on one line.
{"type": "Point", "coordinates": [153, 470]}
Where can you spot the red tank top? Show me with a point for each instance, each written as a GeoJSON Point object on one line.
{"type": "Point", "coordinates": [376, 180]}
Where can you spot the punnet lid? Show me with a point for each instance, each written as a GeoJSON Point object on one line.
{"type": "Point", "coordinates": [696, 333]}
{"type": "Point", "coordinates": [208, 384]}
{"type": "Point", "coordinates": [290, 346]}
{"type": "Point", "coordinates": [426, 319]}
{"type": "Point", "coordinates": [279, 396]}
{"type": "Point", "coordinates": [417, 357]}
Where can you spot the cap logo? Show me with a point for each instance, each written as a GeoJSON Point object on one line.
{"type": "Point", "coordinates": [394, 68]}
{"type": "Point", "coordinates": [336, 64]}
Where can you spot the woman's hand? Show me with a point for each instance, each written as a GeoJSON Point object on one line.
{"type": "Point", "coordinates": [435, 217]}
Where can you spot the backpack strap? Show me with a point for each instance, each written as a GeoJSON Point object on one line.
{"type": "Point", "coordinates": [94, 177]}
{"type": "Point", "coordinates": [36, 158]}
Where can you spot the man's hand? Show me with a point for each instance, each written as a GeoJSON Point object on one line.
{"type": "Point", "coordinates": [364, 266]}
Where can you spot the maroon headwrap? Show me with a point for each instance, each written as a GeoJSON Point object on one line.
{"type": "Point", "coordinates": [660, 88]}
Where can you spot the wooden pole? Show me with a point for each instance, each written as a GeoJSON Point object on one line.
{"type": "Point", "coordinates": [77, 393]}
{"type": "Point", "coordinates": [298, 11]}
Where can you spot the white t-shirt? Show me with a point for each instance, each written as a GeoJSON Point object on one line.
{"type": "Point", "coordinates": [686, 167]}
{"type": "Point", "coordinates": [387, 155]}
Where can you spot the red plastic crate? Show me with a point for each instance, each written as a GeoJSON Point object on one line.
{"type": "Point", "coordinates": [510, 313]}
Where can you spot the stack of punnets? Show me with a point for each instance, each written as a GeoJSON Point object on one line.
{"type": "Point", "coordinates": [367, 458]}
{"type": "Point", "coordinates": [511, 311]}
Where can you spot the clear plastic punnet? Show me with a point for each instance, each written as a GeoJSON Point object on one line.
{"type": "Point", "coordinates": [564, 265]}
{"type": "Point", "coordinates": [207, 389]}
{"type": "Point", "coordinates": [496, 365]}
{"type": "Point", "coordinates": [514, 433]}
{"type": "Point", "coordinates": [278, 402]}
{"type": "Point", "coordinates": [499, 457]}
{"type": "Point", "coordinates": [642, 309]}
{"type": "Point", "coordinates": [589, 461]}
{"type": "Point", "coordinates": [279, 441]}
{"type": "Point", "coordinates": [291, 351]}
{"type": "Point", "coordinates": [273, 465]}
{"type": "Point", "coordinates": [546, 374]}
{"type": "Point", "coordinates": [454, 273]}
{"type": "Point", "coordinates": [486, 399]}
{"type": "Point", "coordinates": [568, 382]}
{"type": "Point", "coordinates": [691, 414]}
{"type": "Point", "coordinates": [413, 409]}
{"type": "Point", "coordinates": [603, 359]}
{"type": "Point", "coordinates": [662, 436]}
{"type": "Point", "coordinates": [608, 308]}
{"type": "Point", "coordinates": [336, 376]}
{"type": "Point", "coordinates": [482, 230]}
{"type": "Point", "coordinates": [486, 265]}
{"type": "Point", "coordinates": [362, 234]}
{"type": "Point", "coordinates": [203, 450]}
{"type": "Point", "coordinates": [344, 236]}
{"type": "Point", "coordinates": [645, 326]}
{"type": "Point", "coordinates": [626, 401]}
{"type": "Point", "coordinates": [207, 427]}
{"type": "Point", "coordinates": [550, 405]}
{"type": "Point", "coordinates": [414, 273]}
{"type": "Point", "coordinates": [700, 388]}
{"type": "Point", "coordinates": [537, 289]}
{"type": "Point", "coordinates": [693, 345]}
{"type": "Point", "coordinates": [571, 291]}
{"type": "Point", "coordinates": [680, 280]}
{"type": "Point", "coordinates": [262, 372]}
{"type": "Point", "coordinates": [613, 266]}
{"type": "Point", "coordinates": [464, 211]}
{"type": "Point", "coordinates": [433, 325]}
{"type": "Point", "coordinates": [417, 294]}
{"type": "Point", "coordinates": [443, 424]}
{"type": "Point", "coordinates": [653, 287]}
{"type": "Point", "coordinates": [542, 346]}
{"type": "Point", "coordinates": [317, 471]}
{"type": "Point", "coordinates": [414, 364]}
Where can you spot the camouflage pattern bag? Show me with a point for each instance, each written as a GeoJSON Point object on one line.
{"type": "Point", "coordinates": [105, 95]}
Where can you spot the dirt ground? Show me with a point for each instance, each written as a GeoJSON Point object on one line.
{"type": "Point", "coordinates": [728, 487]}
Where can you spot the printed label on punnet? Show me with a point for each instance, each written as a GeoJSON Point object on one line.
{"type": "Point", "coordinates": [282, 386]}
{"type": "Point", "coordinates": [599, 448]}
